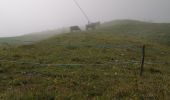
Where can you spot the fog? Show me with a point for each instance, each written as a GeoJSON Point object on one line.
{"type": "Point", "coordinates": [19, 17]}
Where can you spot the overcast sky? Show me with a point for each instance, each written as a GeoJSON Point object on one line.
{"type": "Point", "coordinates": [25, 16]}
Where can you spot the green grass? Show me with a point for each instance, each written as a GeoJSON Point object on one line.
{"type": "Point", "coordinates": [104, 80]}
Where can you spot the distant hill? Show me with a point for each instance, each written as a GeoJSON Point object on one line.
{"type": "Point", "coordinates": [123, 22]}
{"type": "Point", "coordinates": [30, 38]}
{"type": "Point", "coordinates": [153, 32]}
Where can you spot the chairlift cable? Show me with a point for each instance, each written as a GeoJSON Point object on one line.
{"type": "Point", "coordinates": [83, 12]}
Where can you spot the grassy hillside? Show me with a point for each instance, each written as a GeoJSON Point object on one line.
{"type": "Point", "coordinates": [153, 32]}
{"type": "Point", "coordinates": [102, 64]}
{"type": "Point", "coordinates": [30, 38]}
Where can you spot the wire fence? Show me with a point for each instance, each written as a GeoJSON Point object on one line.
{"type": "Point", "coordinates": [105, 46]}
{"type": "Point", "coordinates": [82, 64]}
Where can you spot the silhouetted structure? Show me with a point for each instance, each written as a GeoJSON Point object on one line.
{"type": "Point", "coordinates": [75, 28]}
{"type": "Point", "coordinates": [92, 26]}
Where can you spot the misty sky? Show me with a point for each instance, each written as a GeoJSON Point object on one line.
{"type": "Point", "coordinates": [25, 16]}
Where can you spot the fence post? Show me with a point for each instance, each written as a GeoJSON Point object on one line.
{"type": "Point", "coordinates": [143, 60]}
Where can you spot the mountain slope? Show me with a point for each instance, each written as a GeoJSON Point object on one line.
{"type": "Point", "coordinates": [97, 64]}
{"type": "Point", "coordinates": [30, 38]}
{"type": "Point", "coordinates": [153, 32]}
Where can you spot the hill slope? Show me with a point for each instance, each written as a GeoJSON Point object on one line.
{"type": "Point", "coordinates": [30, 38]}
{"type": "Point", "coordinates": [99, 64]}
{"type": "Point", "coordinates": [153, 32]}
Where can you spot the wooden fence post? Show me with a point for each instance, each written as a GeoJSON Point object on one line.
{"type": "Point", "coordinates": [143, 60]}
